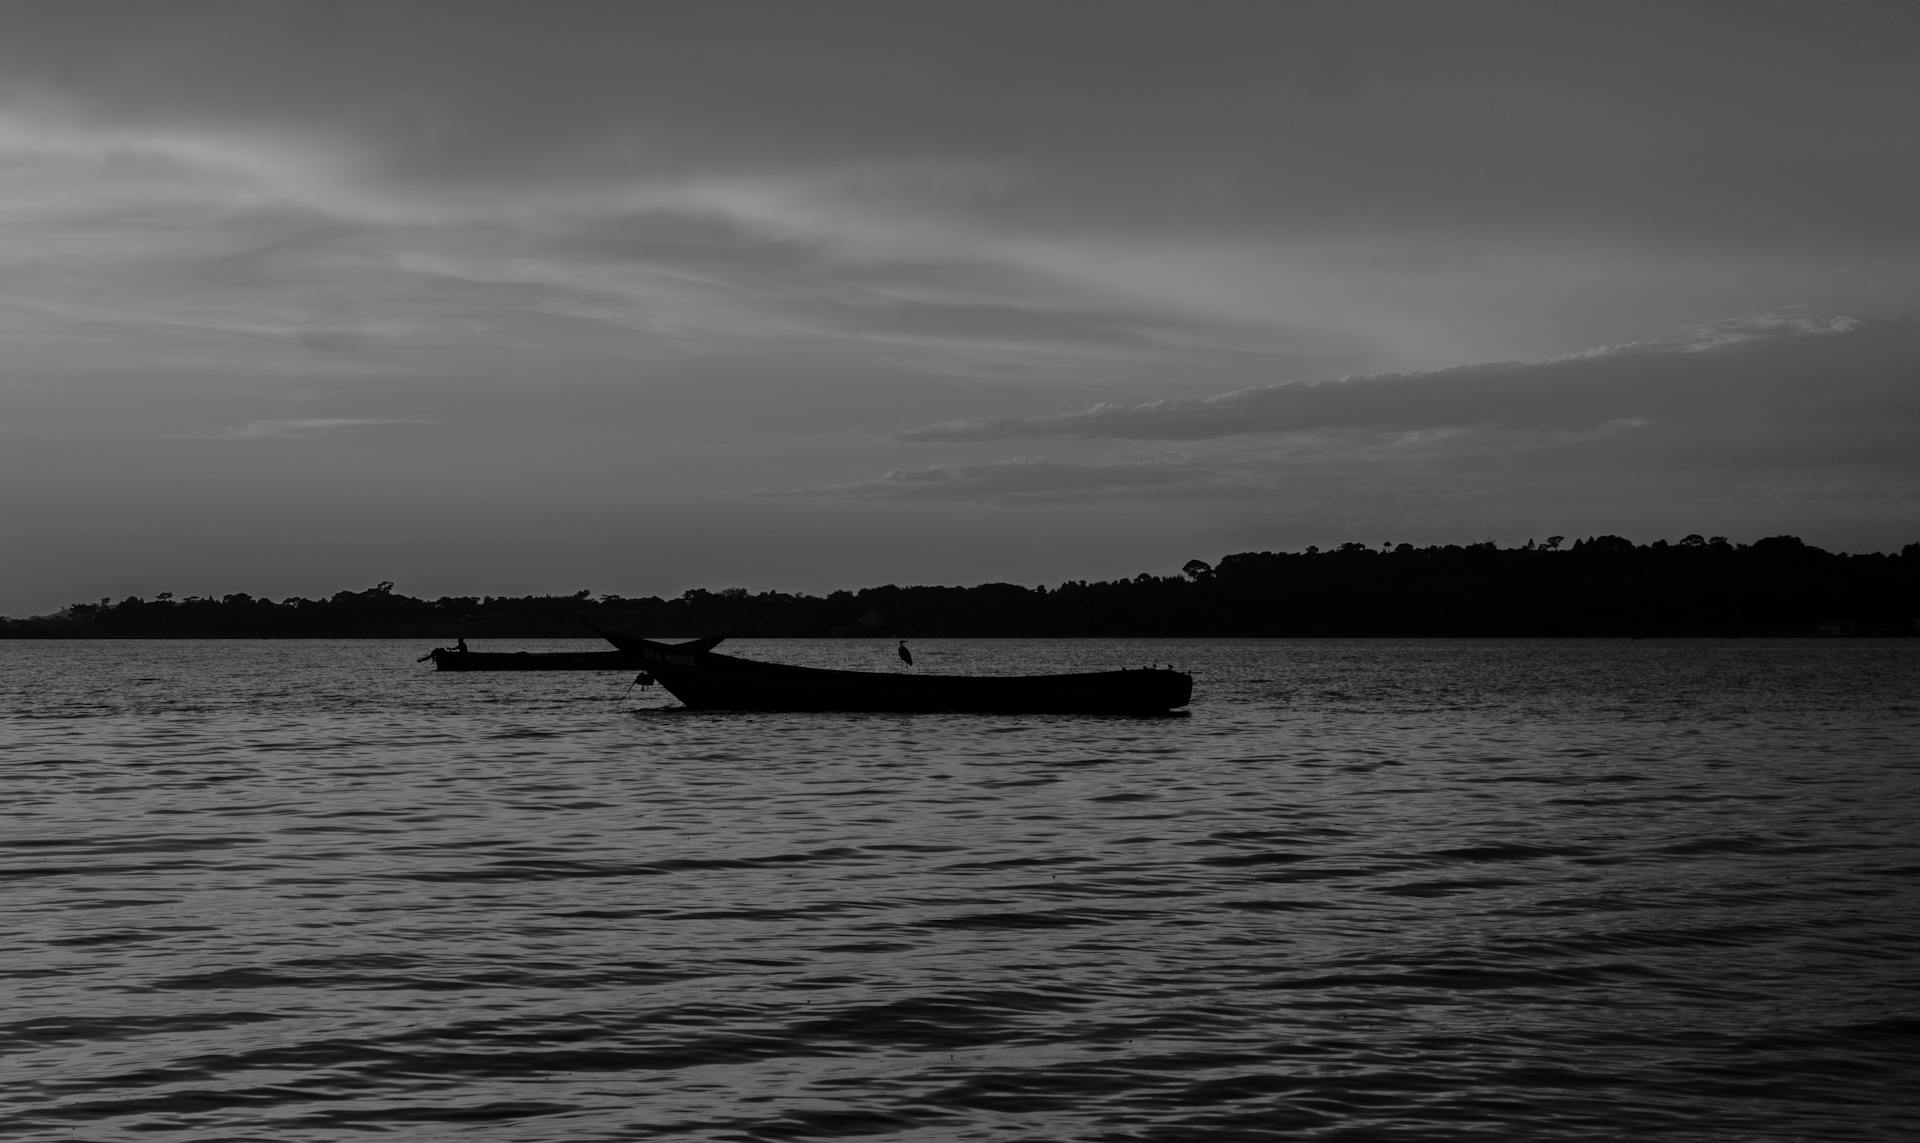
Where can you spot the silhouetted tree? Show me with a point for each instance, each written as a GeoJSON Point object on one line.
{"type": "Point", "coordinates": [1603, 585]}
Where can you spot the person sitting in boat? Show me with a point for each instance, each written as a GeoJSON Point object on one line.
{"type": "Point", "coordinates": [460, 645]}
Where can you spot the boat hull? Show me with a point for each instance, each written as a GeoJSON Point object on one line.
{"type": "Point", "coordinates": [704, 680]}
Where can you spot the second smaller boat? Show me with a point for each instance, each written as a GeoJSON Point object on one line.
{"type": "Point", "coordinates": [455, 659]}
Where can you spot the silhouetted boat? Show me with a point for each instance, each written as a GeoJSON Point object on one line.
{"type": "Point", "coordinates": [704, 680]}
{"type": "Point", "coordinates": [448, 659]}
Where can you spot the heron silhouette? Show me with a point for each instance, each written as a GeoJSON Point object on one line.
{"type": "Point", "coordinates": [906, 656]}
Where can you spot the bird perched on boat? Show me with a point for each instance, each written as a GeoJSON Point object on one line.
{"type": "Point", "coordinates": [906, 656]}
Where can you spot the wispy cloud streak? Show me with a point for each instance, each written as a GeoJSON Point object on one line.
{"type": "Point", "coordinates": [1025, 480]}
{"type": "Point", "coordinates": [1728, 372]}
{"type": "Point", "coordinates": [297, 427]}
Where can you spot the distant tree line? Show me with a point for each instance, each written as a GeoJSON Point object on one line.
{"type": "Point", "coordinates": [1604, 585]}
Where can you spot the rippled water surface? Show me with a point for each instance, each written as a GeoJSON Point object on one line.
{"type": "Point", "coordinates": [1414, 890]}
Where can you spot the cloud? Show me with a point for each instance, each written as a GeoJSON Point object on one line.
{"type": "Point", "coordinates": [1328, 117]}
{"type": "Point", "coordinates": [1025, 480]}
{"type": "Point", "coordinates": [649, 228]}
{"type": "Point", "coordinates": [1732, 331]}
{"type": "Point", "coordinates": [1239, 181]}
{"type": "Point", "coordinates": [235, 232]}
{"type": "Point", "coordinates": [1768, 373]}
{"type": "Point", "coordinates": [296, 427]}
{"type": "Point", "coordinates": [1803, 421]}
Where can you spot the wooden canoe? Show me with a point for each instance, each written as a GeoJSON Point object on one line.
{"type": "Point", "coordinates": [704, 680]}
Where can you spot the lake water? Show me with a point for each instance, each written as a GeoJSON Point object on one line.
{"type": "Point", "coordinates": [1401, 890]}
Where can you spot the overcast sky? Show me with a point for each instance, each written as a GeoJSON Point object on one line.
{"type": "Point", "coordinates": [489, 298]}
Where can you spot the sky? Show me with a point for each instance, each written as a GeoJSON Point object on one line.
{"type": "Point", "coordinates": [507, 298]}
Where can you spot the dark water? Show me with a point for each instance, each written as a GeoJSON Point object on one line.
{"type": "Point", "coordinates": [1368, 890]}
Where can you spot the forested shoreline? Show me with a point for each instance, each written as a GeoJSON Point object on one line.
{"type": "Point", "coordinates": [1600, 586]}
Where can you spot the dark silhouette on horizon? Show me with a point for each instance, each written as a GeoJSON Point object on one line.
{"type": "Point", "coordinates": [1603, 585]}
